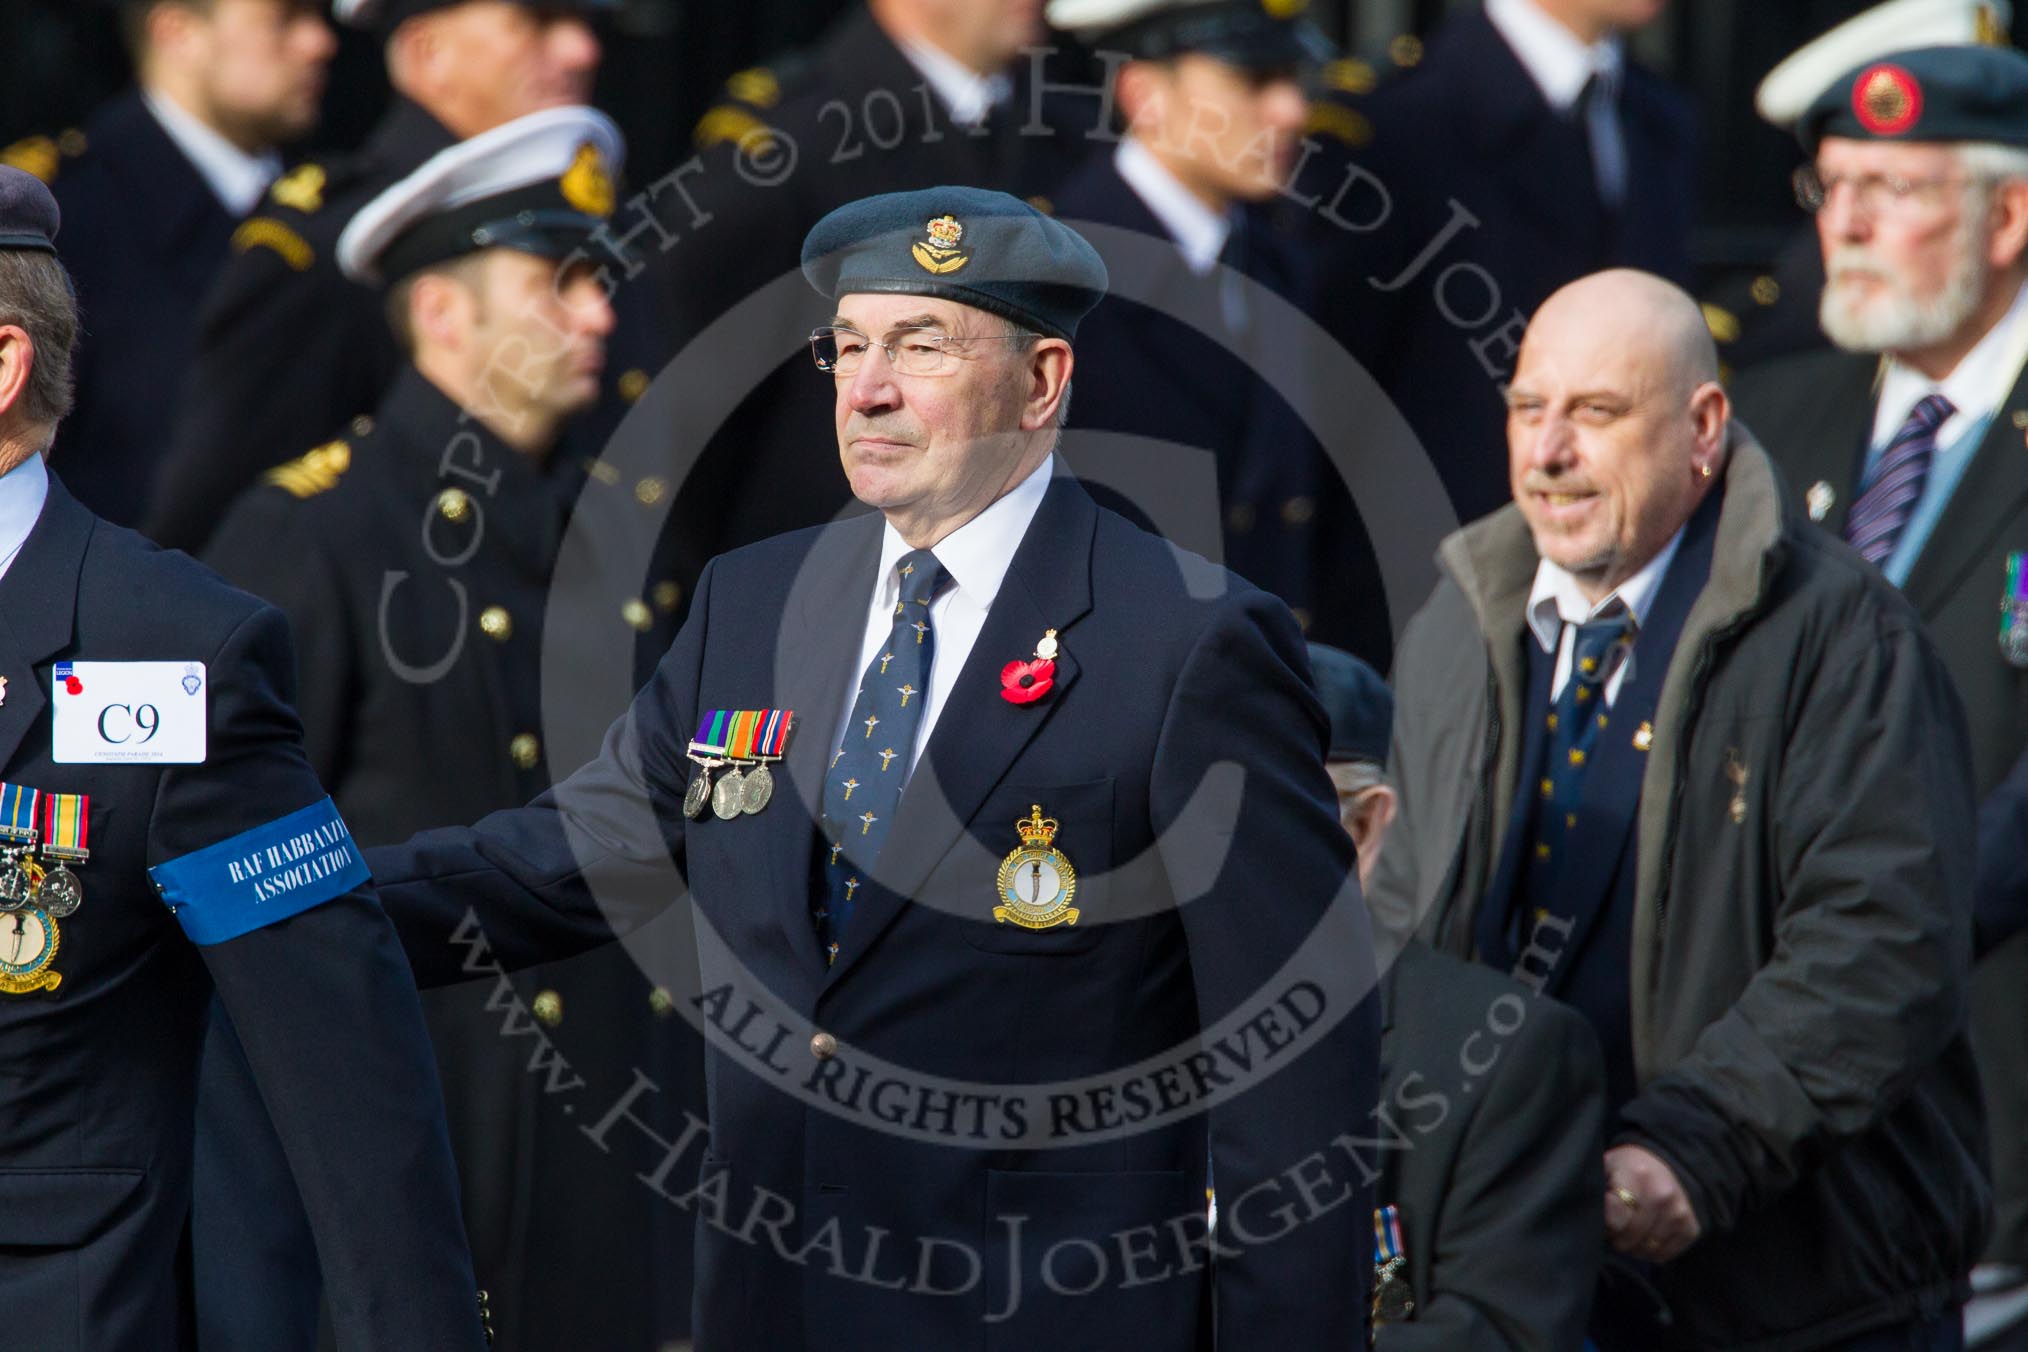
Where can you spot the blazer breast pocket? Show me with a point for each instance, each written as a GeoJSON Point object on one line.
{"type": "Point", "coordinates": [1035, 878]}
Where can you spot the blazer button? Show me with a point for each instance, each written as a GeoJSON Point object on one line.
{"type": "Point", "coordinates": [637, 615]}
{"type": "Point", "coordinates": [823, 1046]}
{"type": "Point", "coordinates": [525, 750]}
{"type": "Point", "coordinates": [454, 504]}
{"type": "Point", "coordinates": [495, 623]}
{"type": "Point", "coordinates": [650, 490]}
{"type": "Point", "coordinates": [548, 1007]}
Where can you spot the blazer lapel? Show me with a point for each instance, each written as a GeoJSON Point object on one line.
{"type": "Point", "coordinates": [1991, 496]}
{"type": "Point", "coordinates": [978, 735]}
{"type": "Point", "coordinates": [38, 609]}
{"type": "Point", "coordinates": [813, 668]}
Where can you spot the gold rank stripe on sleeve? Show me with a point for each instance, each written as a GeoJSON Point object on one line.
{"type": "Point", "coordinates": [317, 472]}
{"type": "Point", "coordinates": [736, 125]}
{"type": "Point", "coordinates": [265, 232]}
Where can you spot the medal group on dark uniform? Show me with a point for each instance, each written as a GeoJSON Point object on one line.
{"type": "Point", "coordinates": [747, 741]}
{"type": "Point", "coordinates": [37, 893]}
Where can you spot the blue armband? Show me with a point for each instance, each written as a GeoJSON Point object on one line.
{"type": "Point", "coordinates": [261, 876]}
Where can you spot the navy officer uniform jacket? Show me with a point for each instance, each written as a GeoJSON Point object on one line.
{"type": "Point", "coordinates": [143, 238]}
{"type": "Point", "coordinates": [1181, 752]}
{"type": "Point", "coordinates": [1468, 127]}
{"type": "Point", "coordinates": [1169, 365]}
{"type": "Point", "coordinates": [422, 707]}
{"type": "Point", "coordinates": [96, 1104]}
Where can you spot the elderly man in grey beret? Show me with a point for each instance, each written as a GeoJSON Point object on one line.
{"type": "Point", "coordinates": [999, 813]}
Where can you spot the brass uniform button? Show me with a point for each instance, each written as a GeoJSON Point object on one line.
{"type": "Point", "coordinates": [823, 1046]}
{"type": "Point", "coordinates": [1765, 290]}
{"type": "Point", "coordinates": [661, 1002]}
{"type": "Point", "coordinates": [362, 426]}
{"type": "Point", "coordinates": [636, 613]}
{"type": "Point", "coordinates": [633, 385]}
{"type": "Point", "coordinates": [1239, 518]}
{"type": "Point", "coordinates": [650, 490]}
{"type": "Point", "coordinates": [1042, 204]}
{"type": "Point", "coordinates": [667, 594]}
{"type": "Point", "coordinates": [1302, 618]}
{"type": "Point", "coordinates": [454, 504]}
{"type": "Point", "coordinates": [525, 750]}
{"type": "Point", "coordinates": [2021, 417]}
{"type": "Point", "coordinates": [1405, 50]}
{"type": "Point", "coordinates": [1297, 511]}
{"type": "Point", "coordinates": [548, 1007]}
{"type": "Point", "coordinates": [73, 142]}
{"type": "Point", "coordinates": [495, 623]}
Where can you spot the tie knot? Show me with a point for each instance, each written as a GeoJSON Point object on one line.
{"type": "Point", "coordinates": [1930, 412]}
{"type": "Point", "coordinates": [1592, 650]}
{"type": "Point", "coordinates": [921, 576]}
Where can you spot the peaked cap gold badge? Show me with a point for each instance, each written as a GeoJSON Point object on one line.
{"type": "Point", "coordinates": [301, 189]}
{"type": "Point", "coordinates": [587, 185]}
{"type": "Point", "coordinates": [940, 252]}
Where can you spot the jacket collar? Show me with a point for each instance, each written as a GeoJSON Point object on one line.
{"type": "Point", "coordinates": [406, 135]}
{"type": "Point", "coordinates": [38, 608]}
{"type": "Point", "coordinates": [434, 445]}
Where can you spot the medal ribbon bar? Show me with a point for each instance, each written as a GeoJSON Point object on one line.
{"type": "Point", "coordinates": [64, 835]}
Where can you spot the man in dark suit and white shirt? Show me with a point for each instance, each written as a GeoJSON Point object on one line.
{"type": "Point", "coordinates": [1066, 838]}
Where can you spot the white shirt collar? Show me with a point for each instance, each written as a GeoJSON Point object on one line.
{"type": "Point", "coordinates": [1557, 600]}
{"type": "Point", "coordinates": [965, 93]}
{"type": "Point", "coordinates": [1199, 232]}
{"type": "Point", "coordinates": [23, 490]}
{"type": "Point", "coordinates": [236, 178]}
{"type": "Point", "coordinates": [977, 553]}
{"type": "Point", "coordinates": [1554, 57]}
{"type": "Point", "coordinates": [1976, 386]}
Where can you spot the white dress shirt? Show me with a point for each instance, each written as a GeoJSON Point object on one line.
{"type": "Point", "coordinates": [238, 180]}
{"type": "Point", "coordinates": [1200, 233]}
{"type": "Point", "coordinates": [967, 95]}
{"type": "Point", "coordinates": [976, 556]}
{"type": "Point", "coordinates": [1557, 605]}
{"type": "Point", "coordinates": [23, 490]}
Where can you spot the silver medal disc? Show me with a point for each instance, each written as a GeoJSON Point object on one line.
{"type": "Point", "coordinates": [758, 790]}
{"type": "Point", "coordinates": [729, 796]}
{"type": "Point", "coordinates": [61, 893]}
{"type": "Point", "coordinates": [16, 890]}
{"type": "Point", "coordinates": [698, 796]}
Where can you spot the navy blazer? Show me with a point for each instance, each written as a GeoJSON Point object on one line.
{"type": "Point", "coordinates": [1181, 751]}
{"type": "Point", "coordinates": [1468, 126]}
{"type": "Point", "coordinates": [96, 1104]}
{"type": "Point", "coordinates": [143, 239]}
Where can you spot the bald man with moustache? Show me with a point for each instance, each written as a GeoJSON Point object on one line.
{"type": "Point", "coordinates": [1718, 800]}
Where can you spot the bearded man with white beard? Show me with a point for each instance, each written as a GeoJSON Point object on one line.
{"type": "Point", "coordinates": [1907, 440]}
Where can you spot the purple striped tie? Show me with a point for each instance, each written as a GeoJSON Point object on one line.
{"type": "Point", "coordinates": [1882, 512]}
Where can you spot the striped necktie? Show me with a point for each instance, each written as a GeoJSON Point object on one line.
{"type": "Point", "coordinates": [1883, 508]}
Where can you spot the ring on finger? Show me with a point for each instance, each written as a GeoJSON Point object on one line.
{"type": "Point", "coordinates": [1628, 1197]}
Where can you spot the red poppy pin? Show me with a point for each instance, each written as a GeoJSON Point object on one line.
{"type": "Point", "coordinates": [1025, 682]}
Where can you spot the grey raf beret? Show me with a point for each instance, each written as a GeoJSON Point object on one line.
{"type": "Point", "coordinates": [979, 248]}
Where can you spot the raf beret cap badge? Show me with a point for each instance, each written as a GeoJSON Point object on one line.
{"type": "Point", "coordinates": [940, 252]}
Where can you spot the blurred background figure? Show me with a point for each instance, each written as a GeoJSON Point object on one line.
{"type": "Point", "coordinates": [1211, 97]}
{"type": "Point", "coordinates": [287, 348]}
{"type": "Point", "coordinates": [1488, 1232]}
{"type": "Point", "coordinates": [1523, 149]}
{"type": "Point", "coordinates": [1763, 313]}
{"type": "Point", "coordinates": [420, 696]}
{"type": "Point", "coordinates": [162, 174]}
{"type": "Point", "coordinates": [1905, 437]}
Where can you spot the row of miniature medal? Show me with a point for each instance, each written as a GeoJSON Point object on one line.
{"type": "Point", "coordinates": [58, 822]}
{"type": "Point", "coordinates": [748, 741]}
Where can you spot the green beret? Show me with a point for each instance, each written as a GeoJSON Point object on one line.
{"type": "Point", "coordinates": [979, 248]}
{"type": "Point", "coordinates": [1927, 94]}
